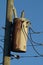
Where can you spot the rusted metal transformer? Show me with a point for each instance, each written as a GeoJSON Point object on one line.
{"type": "Point", "coordinates": [19, 37]}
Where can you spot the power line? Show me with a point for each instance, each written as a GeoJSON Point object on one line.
{"type": "Point", "coordinates": [32, 43]}
{"type": "Point", "coordinates": [25, 38]}
{"type": "Point", "coordinates": [33, 32]}
{"type": "Point", "coordinates": [40, 44]}
{"type": "Point", "coordinates": [27, 56]}
{"type": "Point", "coordinates": [1, 52]}
{"type": "Point", "coordinates": [1, 63]}
{"type": "Point", "coordinates": [30, 56]}
{"type": "Point", "coordinates": [1, 47]}
{"type": "Point", "coordinates": [2, 28]}
{"type": "Point", "coordinates": [2, 40]}
{"type": "Point", "coordinates": [34, 47]}
{"type": "Point", "coordinates": [36, 33]}
{"type": "Point", "coordinates": [32, 39]}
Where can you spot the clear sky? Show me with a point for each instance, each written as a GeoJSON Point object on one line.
{"type": "Point", "coordinates": [33, 12]}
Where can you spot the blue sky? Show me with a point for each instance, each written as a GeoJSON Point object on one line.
{"type": "Point", "coordinates": [33, 12]}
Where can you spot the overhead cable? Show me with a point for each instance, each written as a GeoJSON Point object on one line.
{"type": "Point", "coordinates": [33, 32]}
{"type": "Point", "coordinates": [32, 39]}
{"type": "Point", "coordinates": [32, 43]}
{"type": "Point", "coordinates": [26, 56]}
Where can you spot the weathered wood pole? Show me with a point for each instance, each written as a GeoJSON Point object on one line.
{"type": "Point", "coordinates": [7, 44]}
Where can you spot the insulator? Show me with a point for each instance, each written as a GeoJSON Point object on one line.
{"type": "Point", "coordinates": [17, 56]}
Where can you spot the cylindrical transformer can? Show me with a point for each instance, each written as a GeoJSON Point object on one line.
{"type": "Point", "coordinates": [19, 37]}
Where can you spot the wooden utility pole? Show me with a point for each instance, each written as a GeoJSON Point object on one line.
{"type": "Point", "coordinates": [7, 44]}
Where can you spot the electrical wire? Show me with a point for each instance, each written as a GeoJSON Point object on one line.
{"type": "Point", "coordinates": [24, 33]}
{"type": "Point", "coordinates": [1, 63]}
{"type": "Point", "coordinates": [36, 33]}
{"type": "Point", "coordinates": [1, 52]}
{"type": "Point", "coordinates": [39, 55]}
{"type": "Point", "coordinates": [34, 47]}
{"type": "Point", "coordinates": [2, 40]}
{"type": "Point", "coordinates": [38, 44]}
{"type": "Point", "coordinates": [33, 32]}
{"type": "Point", "coordinates": [2, 28]}
{"type": "Point", "coordinates": [32, 39]}
{"type": "Point", "coordinates": [27, 56]}
{"type": "Point", "coordinates": [32, 43]}
{"type": "Point", "coordinates": [1, 47]}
